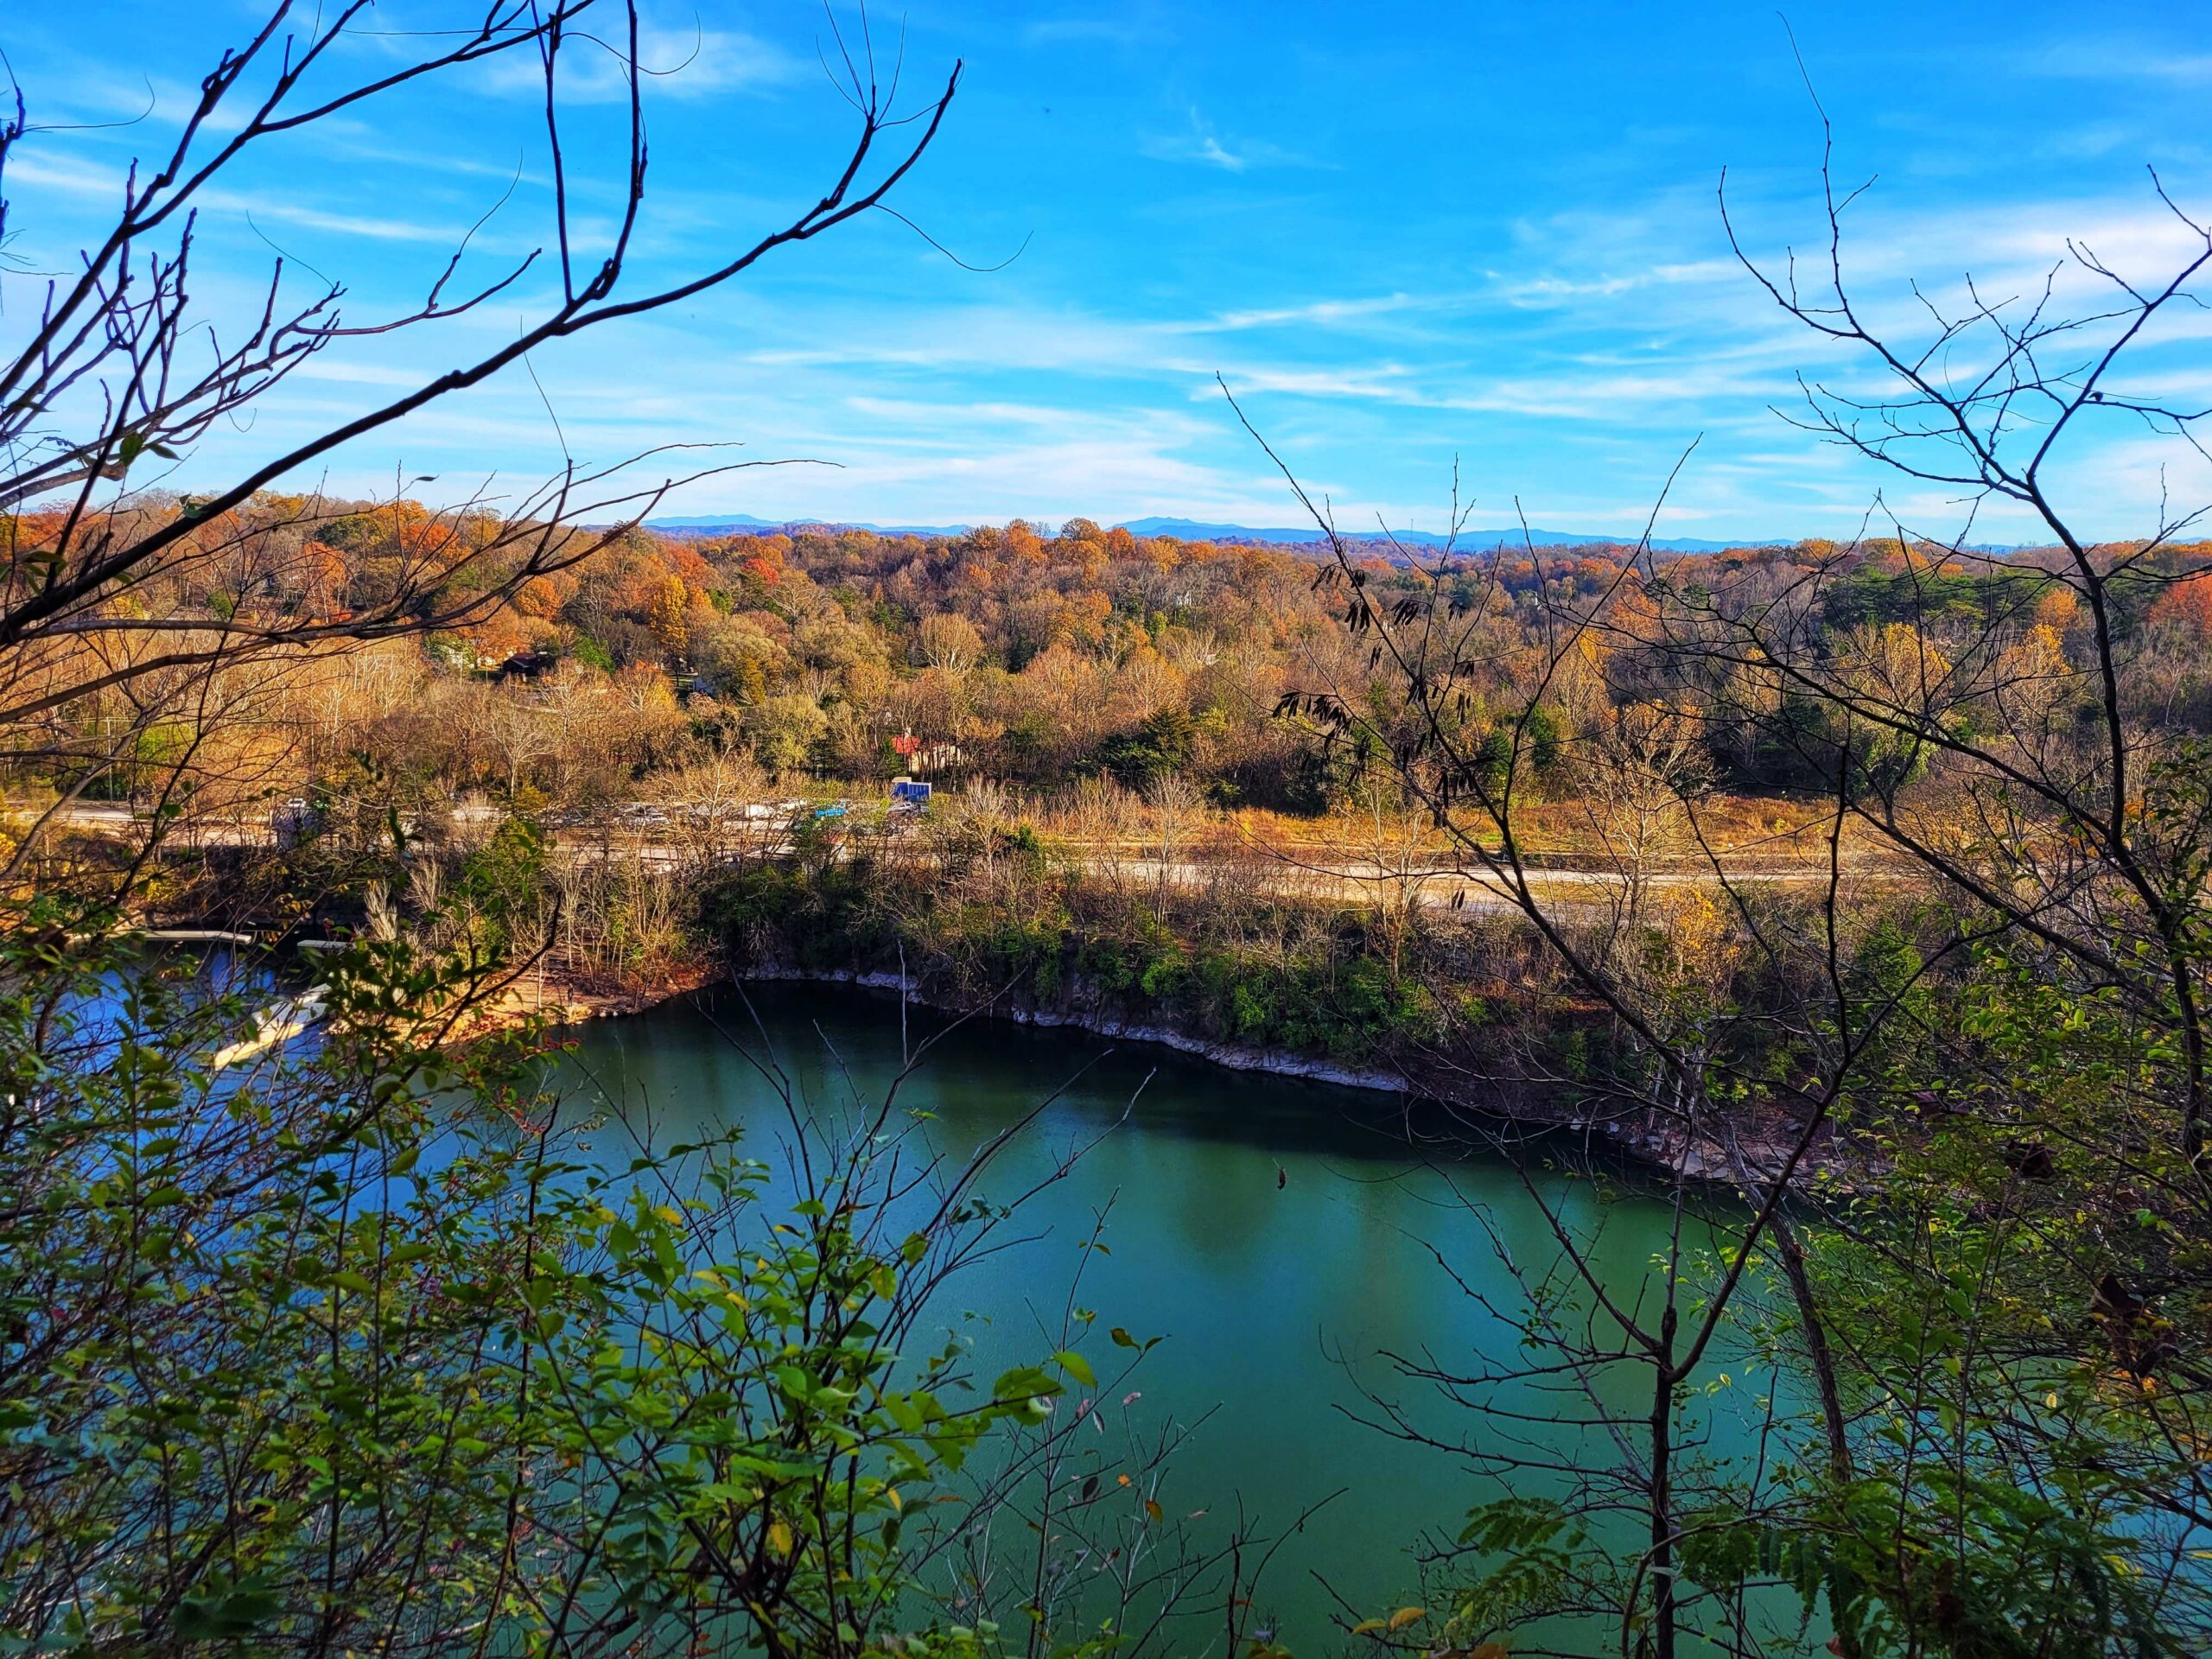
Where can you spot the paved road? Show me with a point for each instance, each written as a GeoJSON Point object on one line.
{"type": "Point", "coordinates": [642, 832]}
{"type": "Point", "coordinates": [1471, 889]}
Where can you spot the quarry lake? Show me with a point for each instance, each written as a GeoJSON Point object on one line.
{"type": "Point", "coordinates": [1281, 1238]}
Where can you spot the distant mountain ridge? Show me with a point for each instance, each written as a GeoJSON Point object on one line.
{"type": "Point", "coordinates": [1190, 530]}
{"type": "Point", "coordinates": [730, 523]}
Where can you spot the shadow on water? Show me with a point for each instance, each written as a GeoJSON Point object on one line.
{"type": "Point", "coordinates": [1168, 1093]}
{"type": "Point", "coordinates": [1279, 1235]}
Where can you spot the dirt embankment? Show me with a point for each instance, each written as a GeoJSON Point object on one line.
{"type": "Point", "coordinates": [559, 996]}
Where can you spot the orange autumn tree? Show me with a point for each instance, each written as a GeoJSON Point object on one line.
{"type": "Point", "coordinates": [2187, 606]}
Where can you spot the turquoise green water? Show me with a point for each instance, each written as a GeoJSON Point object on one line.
{"type": "Point", "coordinates": [1279, 1235]}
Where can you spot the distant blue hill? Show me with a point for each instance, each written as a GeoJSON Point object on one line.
{"type": "Point", "coordinates": [740, 523]}
{"type": "Point", "coordinates": [1190, 530]}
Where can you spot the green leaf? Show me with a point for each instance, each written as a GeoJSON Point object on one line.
{"type": "Point", "coordinates": [223, 1614]}
{"type": "Point", "coordinates": [1024, 1383]}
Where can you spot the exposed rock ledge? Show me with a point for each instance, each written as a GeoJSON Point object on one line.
{"type": "Point", "coordinates": [1652, 1146]}
{"type": "Point", "coordinates": [1237, 1057]}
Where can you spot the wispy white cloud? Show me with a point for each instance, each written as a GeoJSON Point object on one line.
{"type": "Point", "coordinates": [684, 62]}
{"type": "Point", "coordinates": [1324, 314]}
{"type": "Point", "coordinates": [2108, 58]}
{"type": "Point", "coordinates": [67, 176]}
{"type": "Point", "coordinates": [1053, 31]}
{"type": "Point", "coordinates": [1201, 144]}
{"type": "Point", "coordinates": [77, 179]}
{"type": "Point", "coordinates": [1386, 381]}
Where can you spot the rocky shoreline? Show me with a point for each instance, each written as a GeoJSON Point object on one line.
{"type": "Point", "coordinates": [1236, 1056]}
{"type": "Point", "coordinates": [1653, 1147]}
{"type": "Point", "coordinates": [563, 1000]}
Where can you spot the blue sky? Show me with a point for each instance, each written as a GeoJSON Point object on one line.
{"type": "Point", "coordinates": [1407, 235]}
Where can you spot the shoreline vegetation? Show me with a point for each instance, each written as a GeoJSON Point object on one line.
{"type": "Point", "coordinates": [562, 1002]}
{"type": "Point", "coordinates": [976, 914]}
{"type": "Point", "coordinates": [1511, 1117]}
{"type": "Point", "coordinates": [1337, 947]}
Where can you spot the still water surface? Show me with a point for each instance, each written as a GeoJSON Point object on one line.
{"type": "Point", "coordinates": [1274, 1232]}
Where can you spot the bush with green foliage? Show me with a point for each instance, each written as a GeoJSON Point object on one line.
{"type": "Point", "coordinates": [332, 1344]}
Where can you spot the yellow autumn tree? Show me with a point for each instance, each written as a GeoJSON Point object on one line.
{"type": "Point", "coordinates": [668, 614]}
